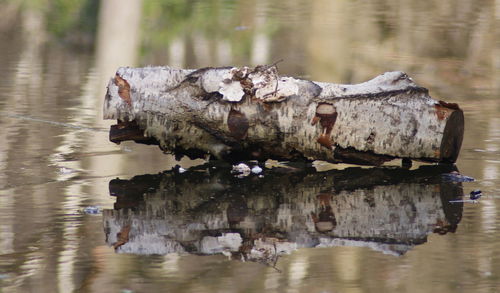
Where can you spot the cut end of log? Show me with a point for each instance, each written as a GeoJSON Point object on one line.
{"type": "Point", "coordinates": [453, 135]}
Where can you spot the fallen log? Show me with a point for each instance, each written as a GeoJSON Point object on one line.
{"type": "Point", "coordinates": [243, 113]}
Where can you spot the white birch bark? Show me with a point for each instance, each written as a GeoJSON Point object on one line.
{"type": "Point", "coordinates": [253, 113]}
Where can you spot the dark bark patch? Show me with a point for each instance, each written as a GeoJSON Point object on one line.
{"type": "Point", "coordinates": [238, 124]}
{"type": "Point", "coordinates": [371, 138]}
{"type": "Point", "coordinates": [442, 112]}
{"type": "Point", "coordinates": [123, 89]}
{"type": "Point", "coordinates": [444, 109]}
{"type": "Point", "coordinates": [453, 135]}
{"type": "Point", "coordinates": [324, 140]}
{"type": "Point", "coordinates": [129, 193]}
{"type": "Point", "coordinates": [122, 237]}
{"type": "Point", "coordinates": [126, 130]}
{"type": "Point", "coordinates": [353, 156]}
{"type": "Point", "coordinates": [324, 220]}
{"type": "Point", "coordinates": [326, 115]}
{"type": "Point", "coordinates": [453, 106]}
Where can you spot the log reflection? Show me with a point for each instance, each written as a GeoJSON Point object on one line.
{"type": "Point", "coordinates": [209, 211]}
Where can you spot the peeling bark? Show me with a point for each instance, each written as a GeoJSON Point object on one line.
{"type": "Point", "coordinates": [253, 113]}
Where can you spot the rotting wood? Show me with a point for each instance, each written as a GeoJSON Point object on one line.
{"type": "Point", "coordinates": [239, 113]}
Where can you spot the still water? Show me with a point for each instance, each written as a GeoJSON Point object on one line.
{"type": "Point", "coordinates": [292, 230]}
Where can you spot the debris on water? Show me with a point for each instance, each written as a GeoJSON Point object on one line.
{"type": "Point", "coordinates": [65, 171]}
{"type": "Point", "coordinates": [475, 194]}
{"type": "Point", "coordinates": [256, 170]}
{"type": "Point", "coordinates": [473, 197]}
{"type": "Point", "coordinates": [91, 210]}
{"type": "Point", "coordinates": [179, 169]}
{"type": "Point", "coordinates": [270, 164]}
{"type": "Point", "coordinates": [463, 201]}
{"type": "Point", "coordinates": [456, 177]}
{"type": "Point", "coordinates": [126, 149]}
{"type": "Point", "coordinates": [242, 170]}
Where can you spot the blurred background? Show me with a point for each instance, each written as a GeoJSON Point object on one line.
{"type": "Point", "coordinates": [56, 57]}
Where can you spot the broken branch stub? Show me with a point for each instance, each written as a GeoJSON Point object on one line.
{"type": "Point", "coordinates": [253, 113]}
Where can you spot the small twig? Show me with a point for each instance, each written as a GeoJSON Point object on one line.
{"type": "Point", "coordinates": [267, 66]}
{"type": "Point", "coordinates": [275, 65]}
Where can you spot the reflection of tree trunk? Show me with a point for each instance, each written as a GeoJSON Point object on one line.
{"type": "Point", "coordinates": [118, 44]}
{"type": "Point", "coordinates": [118, 34]}
{"type": "Point", "coordinates": [478, 40]}
{"type": "Point", "coordinates": [177, 52]}
{"type": "Point", "coordinates": [261, 44]}
{"type": "Point", "coordinates": [24, 76]}
{"type": "Point", "coordinates": [491, 172]}
{"type": "Point", "coordinates": [223, 52]}
{"type": "Point", "coordinates": [201, 49]}
{"type": "Point", "coordinates": [243, 113]}
{"type": "Point", "coordinates": [212, 213]}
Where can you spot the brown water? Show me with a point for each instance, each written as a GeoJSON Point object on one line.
{"type": "Point", "coordinates": [375, 230]}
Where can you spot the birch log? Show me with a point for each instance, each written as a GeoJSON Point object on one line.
{"type": "Point", "coordinates": [243, 113]}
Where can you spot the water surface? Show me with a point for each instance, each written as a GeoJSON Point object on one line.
{"type": "Point", "coordinates": [351, 230]}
